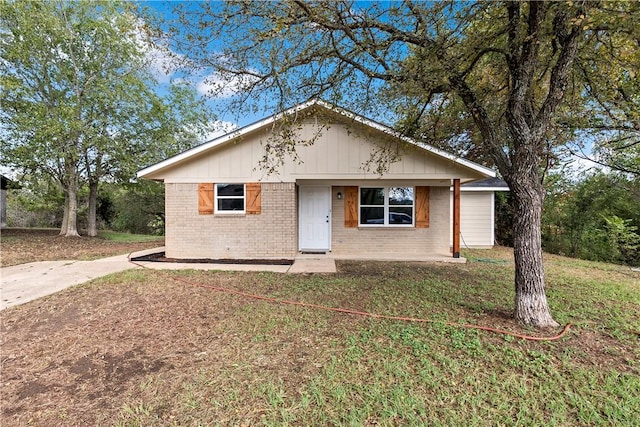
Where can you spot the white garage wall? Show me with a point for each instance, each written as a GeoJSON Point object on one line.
{"type": "Point", "coordinates": [476, 219]}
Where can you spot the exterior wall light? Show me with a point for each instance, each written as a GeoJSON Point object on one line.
{"type": "Point", "coordinates": [339, 195]}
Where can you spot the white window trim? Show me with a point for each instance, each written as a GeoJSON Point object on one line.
{"type": "Point", "coordinates": [386, 208]}
{"type": "Point", "coordinates": [243, 197]}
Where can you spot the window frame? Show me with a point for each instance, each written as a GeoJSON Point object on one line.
{"type": "Point", "coordinates": [216, 197]}
{"type": "Point", "coordinates": [386, 208]}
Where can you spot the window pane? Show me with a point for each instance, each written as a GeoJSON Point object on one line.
{"type": "Point", "coordinates": [401, 196]}
{"type": "Point", "coordinates": [371, 196]}
{"type": "Point", "coordinates": [230, 190]}
{"type": "Point", "coordinates": [400, 215]}
{"type": "Point", "coordinates": [230, 204]}
{"type": "Point", "coordinates": [372, 215]}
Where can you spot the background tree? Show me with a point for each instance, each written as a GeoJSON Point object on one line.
{"type": "Point", "coordinates": [595, 218]}
{"type": "Point", "coordinates": [135, 208]}
{"type": "Point", "coordinates": [497, 71]}
{"type": "Point", "coordinates": [79, 102]}
{"type": "Point", "coordinates": [604, 100]}
{"type": "Point", "coordinates": [37, 202]}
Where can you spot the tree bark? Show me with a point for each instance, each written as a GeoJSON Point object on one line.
{"type": "Point", "coordinates": [530, 299]}
{"type": "Point", "coordinates": [72, 223]}
{"type": "Point", "coordinates": [92, 227]}
{"type": "Point", "coordinates": [65, 215]}
{"type": "Point", "coordinates": [71, 227]}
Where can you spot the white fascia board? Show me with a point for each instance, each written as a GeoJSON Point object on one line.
{"type": "Point", "coordinates": [487, 189]}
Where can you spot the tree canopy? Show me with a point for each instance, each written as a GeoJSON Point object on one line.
{"type": "Point", "coordinates": [505, 82]}
{"type": "Point", "coordinates": [79, 102]}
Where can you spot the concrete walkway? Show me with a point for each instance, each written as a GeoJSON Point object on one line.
{"type": "Point", "coordinates": [26, 282]}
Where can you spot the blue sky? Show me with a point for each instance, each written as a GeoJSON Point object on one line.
{"type": "Point", "coordinates": [203, 80]}
{"type": "Point", "coordinates": [165, 72]}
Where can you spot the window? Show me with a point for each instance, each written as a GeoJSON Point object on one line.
{"type": "Point", "coordinates": [387, 206]}
{"type": "Point", "coordinates": [230, 198]}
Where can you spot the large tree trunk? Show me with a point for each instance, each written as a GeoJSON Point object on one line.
{"type": "Point", "coordinates": [92, 228]}
{"type": "Point", "coordinates": [65, 215]}
{"type": "Point", "coordinates": [530, 299]}
{"type": "Point", "coordinates": [71, 227]}
{"type": "Point", "coordinates": [72, 222]}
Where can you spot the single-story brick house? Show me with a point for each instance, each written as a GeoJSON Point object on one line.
{"type": "Point", "coordinates": [220, 204]}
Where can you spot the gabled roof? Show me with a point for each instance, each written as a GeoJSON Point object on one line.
{"type": "Point", "coordinates": [238, 133]}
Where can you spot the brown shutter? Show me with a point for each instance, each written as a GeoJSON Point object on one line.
{"type": "Point", "coordinates": [205, 199]}
{"type": "Point", "coordinates": [350, 207]}
{"type": "Point", "coordinates": [422, 207]}
{"type": "Point", "coordinates": [254, 198]}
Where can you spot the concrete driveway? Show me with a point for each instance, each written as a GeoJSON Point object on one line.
{"type": "Point", "coordinates": [26, 282]}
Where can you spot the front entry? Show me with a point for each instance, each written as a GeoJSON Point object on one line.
{"type": "Point", "coordinates": [314, 219]}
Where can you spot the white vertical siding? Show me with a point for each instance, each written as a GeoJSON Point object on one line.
{"type": "Point", "coordinates": [476, 219]}
{"type": "Point", "coordinates": [338, 153]}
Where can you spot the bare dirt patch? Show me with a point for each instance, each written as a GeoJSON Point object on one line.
{"type": "Point", "coordinates": [20, 246]}
{"type": "Point", "coordinates": [74, 357]}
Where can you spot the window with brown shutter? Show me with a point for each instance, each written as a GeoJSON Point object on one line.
{"type": "Point", "coordinates": [254, 198]}
{"type": "Point", "coordinates": [350, 207]}
{"type": "Point", "coordinates": [205, 199]}
{"type": "Point", "coordinates": [422, 207]}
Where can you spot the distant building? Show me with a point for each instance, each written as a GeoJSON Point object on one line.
{"type": "Point", "coordinates": [3, 200]}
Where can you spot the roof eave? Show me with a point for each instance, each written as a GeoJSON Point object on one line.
{"type": "Point", "coordinates": [484, 188]}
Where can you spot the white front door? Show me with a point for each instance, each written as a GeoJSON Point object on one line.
{"type": "Point", "coordinates": [314, 218]}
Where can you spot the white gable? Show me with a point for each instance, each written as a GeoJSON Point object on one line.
{"type": "Point", "coordinates": [340, 152]}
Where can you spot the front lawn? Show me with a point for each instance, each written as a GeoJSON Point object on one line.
{"type": "Point", "coordinates": [23, 245]}
{"type": "Point", "coordinates": [141, 348]}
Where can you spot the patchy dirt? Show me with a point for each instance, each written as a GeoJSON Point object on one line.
{"type": "Point", "coordinates": [73, 358]}
{"type": "Point", "coordinates": [77, 357]}
{"type": "Point", "coordinates": [20, 246]}
{"type": "Point", "coordinates": [92, 354]}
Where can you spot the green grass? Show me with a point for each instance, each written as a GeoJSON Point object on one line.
{"type": "Point", "coordinates": [128, 237]}
{"type": "Point", "coordinates": [204, 357]}
{"type": "Point", "coordinates": [379, 372]}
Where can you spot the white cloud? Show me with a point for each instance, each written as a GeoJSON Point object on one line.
{"type": "Point", "coordinates": [160, 59]}
{"type": "Point", "coordinates": [216, 86]}
{"type": "Point", "coordinates": [577, 166]}
{"type": "Point", "coordinates": [163, 62]}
